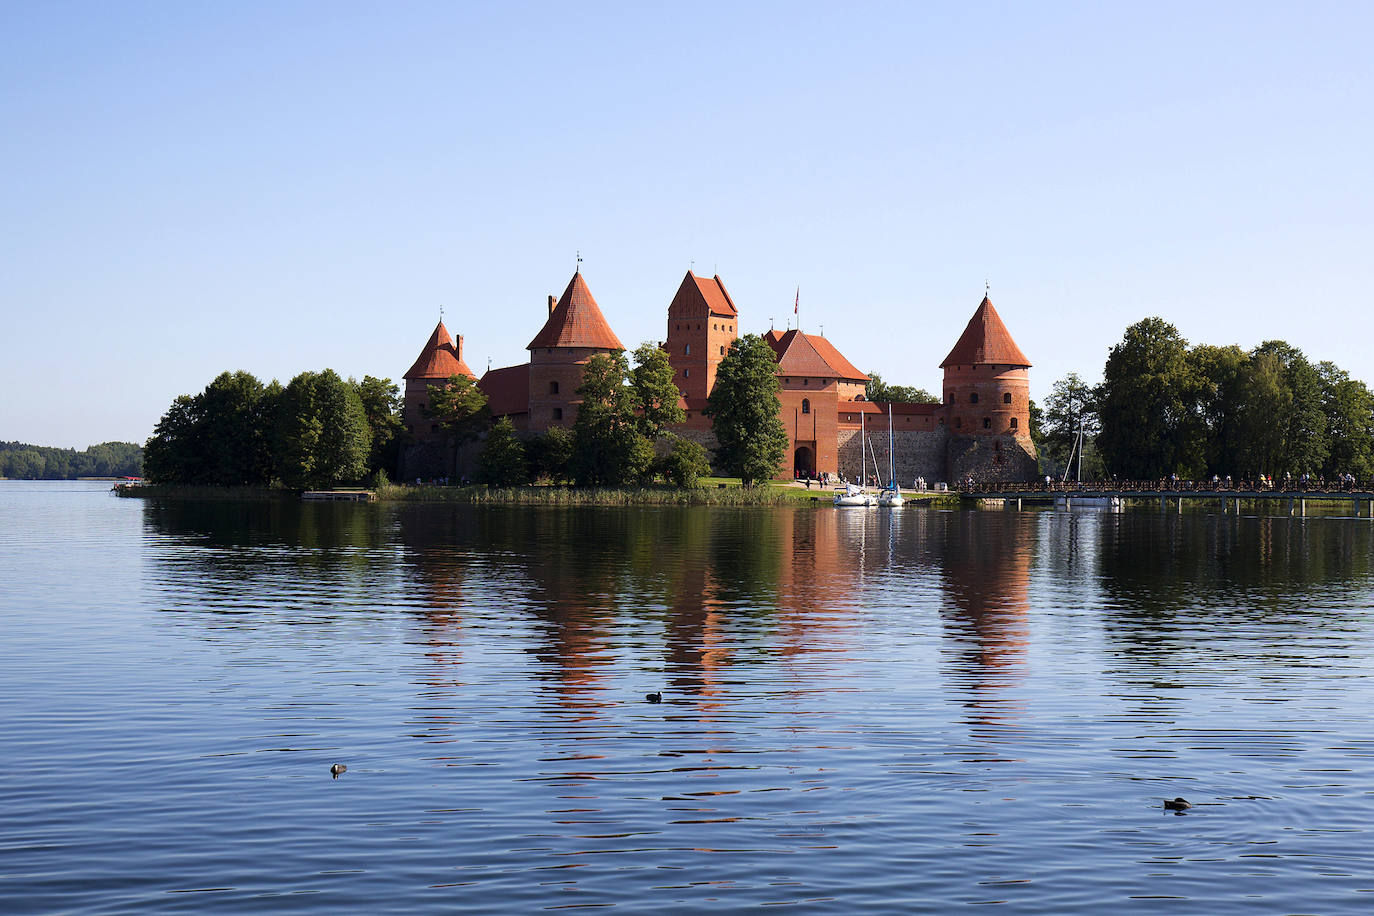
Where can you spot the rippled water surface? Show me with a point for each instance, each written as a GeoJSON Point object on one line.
{"type": "Point", "coordinates": [861, 711]}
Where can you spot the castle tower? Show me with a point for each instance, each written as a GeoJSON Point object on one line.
{"type": "Point", "coordinates": [987, 388]}
{"type": "Point", "coordinates": [574, 332]}
{"type": "Point", "coordinates": [701, 326]}
{"type": "Point", "coordinates": [439, 360]}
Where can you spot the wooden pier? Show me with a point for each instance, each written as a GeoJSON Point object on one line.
{"type": "Point", "coordinates": [351, 496]}
{"type": "Point", "coordinates": [1290, 502]}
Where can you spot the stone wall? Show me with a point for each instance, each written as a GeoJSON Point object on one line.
{"type": "Point", "coordinates": [920, 453]}
{"type": "Point", "coordinates": [990, 458]}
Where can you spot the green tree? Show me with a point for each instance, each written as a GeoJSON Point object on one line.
{"type": "Point", "coordinates": [550, 455]}
{"type": "Point", "coordinates": [236, 413]}
{"type": "Point", "coordinates": [744, 409]}
{"type": "Point", "coordinates": [382, 405]}
{"type": "Point", "coordinates": [653, 392]}
{"type": "Point", "coordinates": [878, 390]}
{"type": "Point", "coordinates": [173, 453]}
{"type": "Point", "coordinates": [1143, 402]}
{"type": "Point", "coordinates": [460, 407]}
{"type": "Point", "coordinates": [322, 434]}
{"type": "Point", "coordinates": [609, 448]}
{"type": "Point", "coordinates": [502, 463]}
{"type": "Point", "coordinates": [1070, 407]}
{"type": "Point", "coordinates": [1218, 375]}
{"type": "Point", "coordinates": [1349, 408]}
{"type": "Point", "coordinates": [685, 463]}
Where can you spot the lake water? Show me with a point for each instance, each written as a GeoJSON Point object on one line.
{"type": "Point", "coordinates": [861, 711]}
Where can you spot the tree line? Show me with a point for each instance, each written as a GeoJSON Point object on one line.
{"type": "Point", "coordinates": [21, 461]}
{"type": "Point", "coordinates": [317, 431]}
{"type": "Point", "coordinates": [1166, 407]}
{"type": "Point", "coordinates": [321, 430]}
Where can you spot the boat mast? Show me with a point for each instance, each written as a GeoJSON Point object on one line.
{"type": "Point", "coordinates": [891, 453]}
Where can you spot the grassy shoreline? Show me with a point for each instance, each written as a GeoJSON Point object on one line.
{"type": "Point", "coordinates": [716, 492]}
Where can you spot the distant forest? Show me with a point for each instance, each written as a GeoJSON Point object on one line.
{"type": "Point", "coordinates": [21, 461]}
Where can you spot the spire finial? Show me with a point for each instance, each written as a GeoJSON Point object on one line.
{"type": "Point", "coordinates": [441, 311]}
{"type": "Point", "coordinates": [987, 290]}
{"type": "Point", "coordinates": [578, 268]}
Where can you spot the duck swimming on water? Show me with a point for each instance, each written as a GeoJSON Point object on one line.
{"type": "Point", "coordinates": [336, 769]}
{"type": "Point", "coordinates": [1177, 804]}
{"type": "Point", "coordinates": [655, 697]}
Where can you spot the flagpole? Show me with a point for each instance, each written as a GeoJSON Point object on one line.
{"type": "Point", "coordinates": [796, 308]}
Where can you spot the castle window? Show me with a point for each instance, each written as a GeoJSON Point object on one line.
{"type": "Point", "coordinates": [987, 423]}
{"type": "Point", "coordinates": [686, 373]}
{"type": "Point", "coordinates": [722, 351]}
{"type": "Point", "coordinates": [1013, 422]}
{"type": "Point", "coordinates": [806, 405]}
{"type": "Point", "coordinates": [558, 413]}
{"type": "Point", "coordinates": [1006, 398]}
{"type": "Point", "coordinates": [806, 381]}
{"type": "Point", "coordinates": [688, 350]}
{"type": "Point", "coordinates": [553, 388]}
{"type": "Point", "coordinates": [973, 398]}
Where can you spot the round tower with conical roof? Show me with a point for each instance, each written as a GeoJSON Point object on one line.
{"type": "Point", "coordinates": [987, 396]}
{"type": "Point", "coordinates": [574, 332]}
{"type": "Point", "coordinates": [440, 360]}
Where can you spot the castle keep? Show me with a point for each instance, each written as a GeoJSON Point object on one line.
{"type": "Point", "coordinates": [980, 430]}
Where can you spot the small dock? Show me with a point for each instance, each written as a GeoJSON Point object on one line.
{"type": "Point", "coordinates": [339, 496]}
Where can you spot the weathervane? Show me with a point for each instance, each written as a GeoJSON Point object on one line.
{"type": "Point", "coordinates": [987, 289]}
{"type": "Point", "coordinates": [441, 312]}
{"type": "Point", "coordinates": [579, 262]}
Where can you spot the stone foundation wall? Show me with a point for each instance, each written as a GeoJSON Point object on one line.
{"type": "Point", "coordinates": [920, 453]}
{"type": "Point", "coordinates": [990, 458]}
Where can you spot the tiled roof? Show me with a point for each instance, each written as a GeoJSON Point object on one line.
{"type": "Point", "coordinates": [576, 322]}
{"type": "Point", "coordinates": [696, 292]}
{"type": "Point", "coordinates": [507, 390]}
{"type": "Point", "coordinates": [985, 341]}
{"type": "Point", "coordinates": [439, 358]}
{"type": "Point", "coordinates": [810, 355]}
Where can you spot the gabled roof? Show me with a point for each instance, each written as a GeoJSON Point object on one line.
{"type": "Point", "coordinates": [439, 358]}
{"type": "Point", "coordinates": [576, 321]}
{"type": "Point", "coordinates": [507, 390]}
{"type": "Point", "coordinates": [696, 293]}
{"type": "Point", "coordinates": [985, 341]}
{"type": "Point", "coordinates": [811, 355]}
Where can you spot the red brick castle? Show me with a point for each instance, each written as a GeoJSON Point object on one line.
{"type": "Point", "coordinates": [981, 430]}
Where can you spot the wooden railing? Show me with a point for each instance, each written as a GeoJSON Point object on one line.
{"type": "Point", "coordinates": [1222, 486]}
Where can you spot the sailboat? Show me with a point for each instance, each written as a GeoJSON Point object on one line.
{"type": "Point", "coordinates": [890, 496]}
{"type": "Point", "coordinates": [856, 495]}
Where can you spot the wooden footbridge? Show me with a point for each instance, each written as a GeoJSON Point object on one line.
{"type": "Point", "coordinates": [1287, 500]}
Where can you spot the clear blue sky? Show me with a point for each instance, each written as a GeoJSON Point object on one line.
{"type": "Point", "coordinates": [195, 187]}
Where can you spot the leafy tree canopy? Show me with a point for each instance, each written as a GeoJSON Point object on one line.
{"type": "Point", "coordinates": [745, 409]}
{"type": "Point", "coordinates": [878, 390]}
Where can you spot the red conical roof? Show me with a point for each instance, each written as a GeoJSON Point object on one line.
{"type": "Point", "coordinates": [576, 322]}
{"type": "Point", "coordinates": [985, 341]}
{"type": "Point", "coordinates": [439, 358]}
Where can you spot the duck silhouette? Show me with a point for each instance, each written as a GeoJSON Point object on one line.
{"type": "Point", "coordinates": [336, 769]}
{"type": "Point", "coordinates": [655, 697]}
{"type": "Point", "coordinates": [1177, 804]}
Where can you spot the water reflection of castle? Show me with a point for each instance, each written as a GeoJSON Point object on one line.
{"type": "Point", "coordinates": [742, 587]}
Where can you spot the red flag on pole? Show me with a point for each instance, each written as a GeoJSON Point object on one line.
{"type": "Point", "coordinates": [797, 304]}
